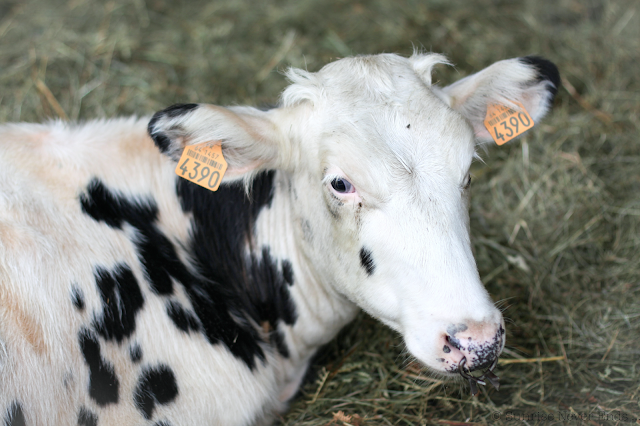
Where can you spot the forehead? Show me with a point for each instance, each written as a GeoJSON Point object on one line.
{"type": "Point", "coordinates": [383, 117]}
{"type": "Point", "coordinates": [420, 129]}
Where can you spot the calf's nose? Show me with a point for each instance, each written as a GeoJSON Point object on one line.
{"type": "Point", "coordinates": [476, 345]}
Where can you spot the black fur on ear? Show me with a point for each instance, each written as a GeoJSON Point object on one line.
{"type": "Point", "coordinates": [251, 139]}
{"type": "Point", "coordinates": [161, 139]}
{"type": "Point", "coordinates": [547, 71]}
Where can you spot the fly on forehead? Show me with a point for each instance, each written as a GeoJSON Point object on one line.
{"type": "Point", "coordinates": [437, 138]}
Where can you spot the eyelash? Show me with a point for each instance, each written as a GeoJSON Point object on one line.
{"type": "Point", "coordinates": [468, 184]}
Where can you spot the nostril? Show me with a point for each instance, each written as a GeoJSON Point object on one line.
{"type": "Point", "coordinates": [453, 341]}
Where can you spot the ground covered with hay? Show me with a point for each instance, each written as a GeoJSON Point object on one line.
{"type": "Point", "coordinates": [555, 215]}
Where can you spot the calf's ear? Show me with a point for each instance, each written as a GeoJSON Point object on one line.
{"type": "Point", "coordinates": [251, 141]}
{"type": "Point", "coordinates": [531, 81]}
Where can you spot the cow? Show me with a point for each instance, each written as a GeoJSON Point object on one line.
{"type": "Point", "coordinates": [130, 295]}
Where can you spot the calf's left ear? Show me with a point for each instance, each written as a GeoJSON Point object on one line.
{"type": "Point", "coordinates": [251, 141]}
{"type": "Point", "coordinates": [531, 81]}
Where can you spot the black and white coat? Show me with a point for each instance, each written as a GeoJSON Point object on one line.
{"type": "Point", "coordinates": [131, 296]}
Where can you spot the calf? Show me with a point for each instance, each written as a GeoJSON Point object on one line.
{"type": "Point", "coordinates": [129, 295]}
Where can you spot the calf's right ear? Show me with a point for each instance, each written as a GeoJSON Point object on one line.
{"type": "Point", "coordinates": [531, 81]}
{"type": "Point", "coordinates": [251, 141]}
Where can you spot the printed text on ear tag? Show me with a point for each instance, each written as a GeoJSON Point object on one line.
{"type": "Point", "coordinates": [203, 165]}
{"type": "Point", "coordinates": [505, 123]}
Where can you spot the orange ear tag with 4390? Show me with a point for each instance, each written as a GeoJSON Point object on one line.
{"type": "Point", "coordinates": [504, 123]}
{"type": "Point", "coordinates": [203, 165]}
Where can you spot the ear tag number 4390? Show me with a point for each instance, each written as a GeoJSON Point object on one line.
{"type": "Point", "coordinates": [504, 123]}
{"type": "Point", "coordinates": [203, 165]}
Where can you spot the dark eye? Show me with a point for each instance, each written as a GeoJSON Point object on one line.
{"type": "Point", "coordinates": [342, 186]}
{"type": "Point", "coordinates": [468, 184]}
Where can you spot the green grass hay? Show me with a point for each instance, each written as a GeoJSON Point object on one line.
{"type": "Point", "coordinates": [555, 216]}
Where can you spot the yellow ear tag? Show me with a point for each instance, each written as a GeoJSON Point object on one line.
{"type": "Point", "coordinates": [203, 165]}
{"type": "Point", "coordinates": [504, 123]}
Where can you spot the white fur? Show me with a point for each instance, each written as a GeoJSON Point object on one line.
{"type": "Point", "coordinates": [376, 120]}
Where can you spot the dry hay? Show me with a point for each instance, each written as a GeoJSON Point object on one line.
{"type": "Point", "coordinates": [555, 215]}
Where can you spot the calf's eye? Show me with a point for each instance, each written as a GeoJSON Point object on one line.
{"type": "Point", "coordinates": [468, 184]}
{"type": "Point", "coordinates": [342, 186]}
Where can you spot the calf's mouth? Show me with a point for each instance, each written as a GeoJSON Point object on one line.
{"type": "Point", "coordinates": [474, 381]}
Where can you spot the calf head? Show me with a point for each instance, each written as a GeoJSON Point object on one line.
{"type": "Point", "coordinates": [377, 160]}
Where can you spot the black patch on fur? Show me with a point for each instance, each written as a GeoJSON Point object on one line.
{"type": "Point", "coordinates": [103, 383]}
{"type": "Point", "coordinates": [277, 337]}
{"type": "Point", "coordinates": [157, 254]}
{"type": "Point", "coordinates": [121, 299]}
{"type": "Point", "coordinates": [15, 416]}
{"type": "Point", "coordinates": [366, 260]}
{"type": "Point", "coordinates": [231, 290]}
{"type": "Point", "coordinates": [162, 423]}
{"type": "Point", "coordinates": [234, 285]}
{"type": "Point", "coordinates": [160, 260]}
{"type": "Point", "coordinates": [77, 298]}
{"type": "Point", "coordinates": [103, 205]}
{"type": "Point", "coordinates": [135, 352]}
{"type": "Point", "coordinates": [446, 349]}
{"type": "Point", "coordinates": [287, 272]}
{"type": "Point", "coordinates": [161, 140]}
{"type": "Point", "coordinates": [86, 417]}
{"type": "Point", "coordinates": [183, 319]}
{"type": "Point", "coordinates": [546, 69]}
{"type": "Point", "coordinates": [156, 385]}
{"type": "Point", "coordinates": [408, 126]}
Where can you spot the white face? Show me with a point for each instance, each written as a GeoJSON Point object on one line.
{"type": "Point", "coordinates": [379, 160]}
{"type": "Point", "coordinates": [387, 185]}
